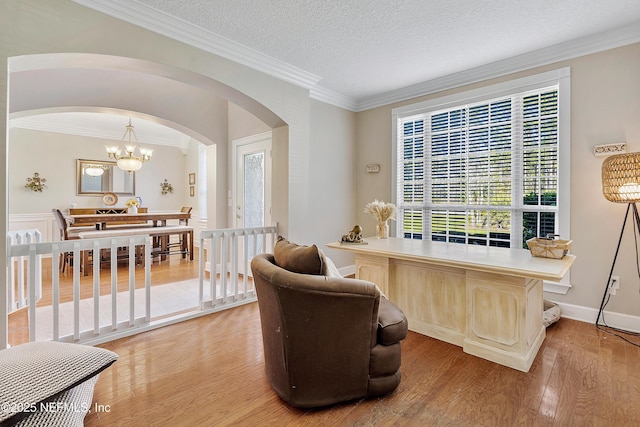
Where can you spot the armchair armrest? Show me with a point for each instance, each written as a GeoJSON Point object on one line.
{"type": "Point", "coordinates": [392, 323]}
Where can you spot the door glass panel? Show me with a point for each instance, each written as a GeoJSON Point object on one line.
{"type": "Point", "coordinates": [254, 195]}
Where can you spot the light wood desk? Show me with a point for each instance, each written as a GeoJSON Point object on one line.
{"type": "Point", "coordinates": [487, 300]}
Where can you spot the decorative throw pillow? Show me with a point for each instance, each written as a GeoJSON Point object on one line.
{"type": "Point", "coordinates": [37, 372]}
{"type": "Point", "coordinates": [297, 258]}
{"type": "Point", "coordinates": [329, 268]}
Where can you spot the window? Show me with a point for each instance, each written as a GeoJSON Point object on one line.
{"type": "Point", "coordinates": [485, 167]}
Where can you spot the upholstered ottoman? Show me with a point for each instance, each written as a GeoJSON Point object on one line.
{"type": "Point", "coordinates": [49, 383]}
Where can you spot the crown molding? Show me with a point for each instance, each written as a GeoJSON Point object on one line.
{"type": "Point", "coordinates": [329, 96]}
{"type": "Point", "coordinates": [572, 49]}
{"type": "Point", "coordinates": [178, 29]}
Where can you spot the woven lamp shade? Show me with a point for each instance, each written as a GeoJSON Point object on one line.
{"type": "Point", "coordinates": [621, 178]}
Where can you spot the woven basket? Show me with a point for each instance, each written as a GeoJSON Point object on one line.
{"type": "Point", "coordinates": [548, 248]}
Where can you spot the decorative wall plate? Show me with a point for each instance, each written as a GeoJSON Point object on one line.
{"type": "Point", "coordinates": [110, 199]}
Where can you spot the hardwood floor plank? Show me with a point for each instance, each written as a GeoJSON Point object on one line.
{"type": "Point", "coordinates": [210, 371]}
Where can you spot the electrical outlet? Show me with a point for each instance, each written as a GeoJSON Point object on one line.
{"type": "Point", "coordinates": [614, 284]}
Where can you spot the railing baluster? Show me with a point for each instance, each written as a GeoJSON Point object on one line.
{"type": "Point", "coordinates": [55, 290]}
{"type": "Point", "coordinates": [213, 266]}
{"type": "Point", "coordinates": [245, 262]}
{"type": "Point", "coordinates": [17, 285]}
{"type": "Point", "coordinates": [201, 270]}
{"type": "Point", "coordinates": [113, 256]}
{"type": "Point", "coordinates": [132, 286]}
{"type": "Point", "coordinates": [10, 294]}
{"type": "Point", "coordinates": [223, 256]}
{"type": "Point", "coordinates": [229, 262]}
{"type": "Point", "coordinates": [224, 253]}
{"type": "Point", "coordinates": [234, 264]}
{"type": "Point", "coordinates": [96, 290]}
{"type": "Point", "coordinates": [76, 291]}
{"type": "Point", "coordinates": [32, 292]}
{"type": "Point", "coordinates": [147, 278]}
{"type": "Point", "coordinates": [35, 237]}
{"type": "Point", "coordinates": [21, 282]}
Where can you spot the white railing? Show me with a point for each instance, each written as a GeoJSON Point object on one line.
{"type": "Point", "coordinates": [33, 252]}
{"type": "Point", "coordinates": [19, 276]}
{"type": "Point", "coordinates": [228, 255]}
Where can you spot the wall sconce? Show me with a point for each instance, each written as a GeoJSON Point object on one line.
{"type": "Point", "coordinates": [165, 187]}
{"type": "Point", "coordinates": [36, 183]}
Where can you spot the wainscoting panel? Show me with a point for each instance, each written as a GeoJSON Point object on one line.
{"type": "Point", "coordinates": [45, 223]}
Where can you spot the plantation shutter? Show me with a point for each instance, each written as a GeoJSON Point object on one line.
{"type": "Point", "coordinates": [540, 162]}
{"type": "Point", "coordinates": [475, 173]}
{"type": "Point", "coordinates": [411, 167]}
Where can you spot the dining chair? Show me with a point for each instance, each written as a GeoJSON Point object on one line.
{"type": "Point", "coordinates": [181, 243]}
{"type": "Point", "coordinates": [65, 257]}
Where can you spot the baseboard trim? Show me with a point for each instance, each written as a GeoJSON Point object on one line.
{"type": "Point", "coordinates": [586, 314]}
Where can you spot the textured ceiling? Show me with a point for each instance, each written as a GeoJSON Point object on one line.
{"type": "Point", "coordinates": [362, 48]}
{"type": "Point", "coordinates": [367, 53]}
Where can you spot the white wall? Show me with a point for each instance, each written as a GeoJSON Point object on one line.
{"type": "Point", "coordinates": [283, 106]}
{"type": "Point", "coordinates": [331, 168]}
{"type": "Point", "coordinates": [605, 108]}
{"type": "Point", "coordinates": [53, 156]}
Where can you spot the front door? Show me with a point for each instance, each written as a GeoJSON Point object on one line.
{"type": "Point", "coordinates": [252, 200]}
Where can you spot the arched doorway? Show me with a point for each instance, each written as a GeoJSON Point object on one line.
{"type": "Point", "coordinates": [188, 102]}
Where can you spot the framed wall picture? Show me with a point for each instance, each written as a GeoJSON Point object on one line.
{"type": "Point", "coordinates": [192, 191]}
{"type": "Point", "coordinates": [192, 179]}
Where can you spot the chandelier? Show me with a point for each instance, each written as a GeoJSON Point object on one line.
{"type": "Point", "coordinates": [129, 161]}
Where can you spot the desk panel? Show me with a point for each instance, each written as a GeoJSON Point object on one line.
{"type": "Point", "coordinates": [489, 301]}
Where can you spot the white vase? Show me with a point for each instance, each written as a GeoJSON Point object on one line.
{"type": "Point", "coordinates": [132, 210]}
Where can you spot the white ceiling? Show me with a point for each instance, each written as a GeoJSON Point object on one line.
{"type": "Point", "coordinates": [361, 49]}
{"type": "Point", "coordinates": [103, 125]}
{"type": "Point", "coordinates": [360, 54]}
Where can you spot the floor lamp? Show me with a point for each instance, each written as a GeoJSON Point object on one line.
{"type": "Point", "coordinates": [621, 184]}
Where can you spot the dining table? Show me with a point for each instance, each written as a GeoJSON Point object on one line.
{"type": "Point", "coordinates": [102, 221]}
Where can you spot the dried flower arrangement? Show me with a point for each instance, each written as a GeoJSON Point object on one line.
{"type": "Point", "coordinates": [36, 183]}
{"type": "Point", "coordinates": [381, 211]}
{"type": "Point", "coordinates": [166, 187]}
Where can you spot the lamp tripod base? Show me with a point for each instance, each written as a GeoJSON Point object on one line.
{"type": "Point", "coordinates": [631, 207]}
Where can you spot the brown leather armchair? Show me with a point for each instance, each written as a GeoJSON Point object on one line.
{"type": "Point", "coordinates": [326, 339]}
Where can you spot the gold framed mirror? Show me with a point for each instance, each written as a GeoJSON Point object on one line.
{"type": "Point", "coordinates": [97, 177]}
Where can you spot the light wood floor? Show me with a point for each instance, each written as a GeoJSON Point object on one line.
{"type": "Point", "coordinates": [209, 371]}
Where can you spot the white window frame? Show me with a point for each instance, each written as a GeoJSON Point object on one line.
{"type": "Point", "coordinates": [560, 77]}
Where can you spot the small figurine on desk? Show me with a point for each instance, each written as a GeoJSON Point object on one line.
{"type": "Point", "coordinates": [354, 236]}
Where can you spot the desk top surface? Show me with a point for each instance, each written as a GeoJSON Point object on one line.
{"type": "Point", "coordinates": [513, 262]}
